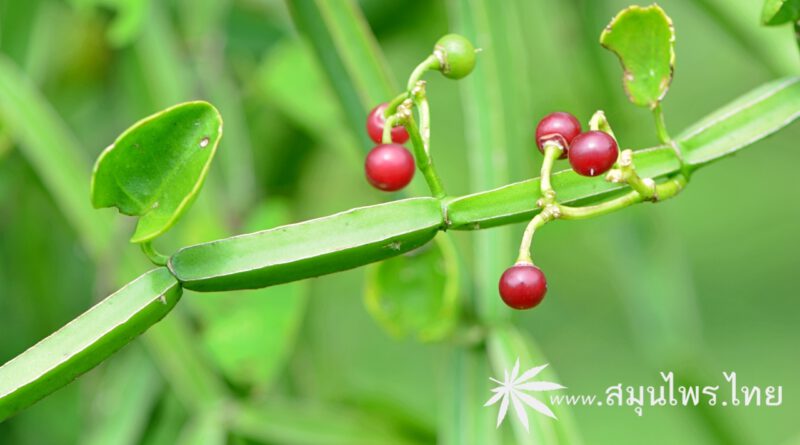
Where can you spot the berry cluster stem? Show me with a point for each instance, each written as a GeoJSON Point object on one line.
{"type": "Point", "coordinates": [643, 189]}
{"type": "Point", "coordinates": [424, 161]}
{"type": "Point", "coordinates": [390, 123]}
{"type": "Point", "coordinates": [552, 151]}
{"type": "Point", "coordinates": [430, 62]}
{"type": "Point", "coordinates": [527, 237]}
{"type": "Point", "coordinates": [399, 111]}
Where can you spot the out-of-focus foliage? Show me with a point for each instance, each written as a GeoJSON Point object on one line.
{"type": "Point", "coordinates": [714, 280]}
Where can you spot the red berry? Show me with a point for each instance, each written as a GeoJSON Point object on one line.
{"type": "Point", "coordinates": [523, 286]}
{"type": "Point", "coordinates": [559, 126]}
{"type": "Point", "coordinates": [375, 124]}
{"type": "Point", "coordinates": [389, 167]}
{"type": "Point", "coordinates": [593, 153]}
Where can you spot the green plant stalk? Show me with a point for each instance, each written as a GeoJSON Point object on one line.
{"type": "Point", "coordinates": [424, 161]}
{"type": "Point", "coordinates": [661, 126]}
{"type": "Point", "coordinates": [527, 237]}
{"type": "Point", "coordinates": [552, 151]}
{"type": "Point", "coordinates": [424, 110]}
{"type": "Point", "coordinates": [430, 62]}
{"type": "Point", "coordinates": [390, 123]}
{"type": "Point", "coordinates": [154, 255]}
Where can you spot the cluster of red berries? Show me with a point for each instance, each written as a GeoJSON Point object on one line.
{"type": "Point", "coordinates": [389, 167]}
{"type": "Point", "coordinates": [591, 153]}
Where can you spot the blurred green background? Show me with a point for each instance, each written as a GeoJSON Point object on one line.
{"type": "Point", "coordinates": [698, 285]}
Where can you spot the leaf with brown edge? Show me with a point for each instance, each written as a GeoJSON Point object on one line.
{"type": "Point", "coordinates": [644, 40]}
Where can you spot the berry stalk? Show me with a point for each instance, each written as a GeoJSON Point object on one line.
{"type": "Point", "coordinates": [424, 161]}
{"type": "Point", "coordinates": [552, 151]}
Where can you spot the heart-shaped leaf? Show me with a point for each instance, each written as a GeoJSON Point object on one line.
{"type": "Point", "coordinates": [778, 12]}
{"type": "Point", "coordinates": [416, 293]}
{"type": "Point", "coordinates": [155, 169]}
{"type": "Point", "coordinates": [644, 40]}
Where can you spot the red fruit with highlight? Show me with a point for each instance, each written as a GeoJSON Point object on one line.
{"type": "Point", "coordinates": [593, 153]}
{"type": "Point", "coordinates": [389, 167]}
{"type": "Point", "coordinates": [558, 126]}
{"type": "Point", "coordinates": [523, 286]}
{"type": "Point", "coordinates": [375, 124]}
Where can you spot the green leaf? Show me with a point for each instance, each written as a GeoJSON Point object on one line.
{"type": "Point", "coordinates": [308, 249]}
{"type": "Point", "coordinates": [86, 341]}
{"type": "Point", "coordinates": [156, 167]}
{"type": "Point", "coordinates": [416, 293]}
{"type": "Point", "coordinates": [644, 40]}
{"type": "Point", "coordinates": [250, 335]}
{"type": "Point", "coordinates": [778, 12]}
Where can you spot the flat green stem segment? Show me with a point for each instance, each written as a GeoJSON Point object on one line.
{"type": "Point", "coordinates": [746, 120]}
{"type": "Point", "coordinates": [308, 249]}
{"type": "Point", "coordinates": [644, 40]}
{"type": "Point", "coordinates": [86, 341]}
{"type": "Point", "coordinates": [155, 169]}
{"type": "Point", "coordinates": [369, 234]}
{"type": "Point", "coordinates": [517, 202]}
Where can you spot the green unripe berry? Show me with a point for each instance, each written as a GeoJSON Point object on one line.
{"type": "Point", "coordinates": [456, 56]}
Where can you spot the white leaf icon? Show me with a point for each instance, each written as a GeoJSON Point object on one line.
{"type": "Point", "coordinates": [512, 391]}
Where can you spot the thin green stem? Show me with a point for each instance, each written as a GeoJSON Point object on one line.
{"type": "Point", "coordinates": [625, 200]}
{"type": "Point", "coordinates": [420, 100]}
{"type": "Point", "coordinates": [663, 191]}
{"type": "Point", "coordinates": [552, 150]}
{"type": "Point", "coordinates": [664, 137]}
{"type": "Point", "coordinates": [424, 161]}
{"type": "Point", "coordinates": [394, 103]}
{"type": "Point", "coordinates": [527, 237]}
{"type": "Point", "coordinates": [661, 127]}
{"type": "Point", "coordinates": [599, 122]}
{"type": "Point", "coordinates": [431, 62]}
{"type": "Point", "coordinates": [390, 122]}
{"type": "Point", "coordinates": [154, 255]}
{"type": "Point", "coordinates": [625, 171]}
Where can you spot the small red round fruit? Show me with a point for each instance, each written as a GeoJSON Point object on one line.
{"type": "Point", "coordinates": [559, 126]}
{"type": "Point", "coordinates": [375, 124]}
{"type": "Point", "coordinates": [593, 153]}
{"type": "Point", "coordinates": [523, 286]}
{"type": "Point", "coordinates": [389, 167]}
